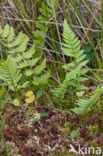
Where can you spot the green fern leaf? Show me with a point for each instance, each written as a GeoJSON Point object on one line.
{"type": "Point", "coordinates": [23, 64]}
{"type": "Point", "coordinates": [33, 61]}
{"type": "Point", "coordinates": [29, 72]}
{"type": "Point", "coordinates": [28, 54]}
{"type": "Point", "coordinates": [11, 34]}
{"type": "Point", "coordinates": [21, 47]}
{"type": "Point", "coordinates": [40, 67]}
{"type": "Point", "coordinates": [17, 41]}
{"type": "Point", "coordinates": [41, 80]}
{"type": "Point", "coordinates": [9, 72]}
{"type": "Point", "coordinates": [5, 31]}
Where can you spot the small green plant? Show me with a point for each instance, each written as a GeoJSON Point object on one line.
{"type": "Point", "coordinates": [88, 52]}
{"type": "Point", "coordinates": [21, 69]}
{"type": "Point", "coordinates": [76, 70]}
{"type": "Point", "coordinates": [74, 134]}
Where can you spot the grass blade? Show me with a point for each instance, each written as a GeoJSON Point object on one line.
{"type": "Point", "coordinates": [4, 142]}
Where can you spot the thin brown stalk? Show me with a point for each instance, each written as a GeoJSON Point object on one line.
{"type": "Point", "coordinates": [57, 28]}
{"type": "Point", "coordinates": [1, 13]}
{"type": "Point", "coordinates": [88, 29]}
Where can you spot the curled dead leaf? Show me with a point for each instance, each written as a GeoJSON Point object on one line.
{"type": "Point", "coordinates": [30, 97]}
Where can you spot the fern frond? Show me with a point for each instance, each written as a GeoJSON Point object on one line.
{"type": "Point", "coordinates": [45, 15]}
{"type": "Point", "coordinates": [86, 104]}
{"type": "Point", "coordinates": [20, 59]}
{"type": "Point", "coordinates": [71, 47]}
{"type": "Point", "coordinates": [9, 73]}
